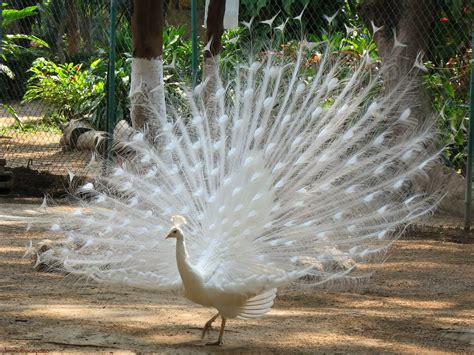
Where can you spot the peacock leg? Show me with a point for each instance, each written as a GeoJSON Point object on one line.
{"type": "Point", "coordinates": [219, 341]}
{"type": "Point", "coordinates": [208, 325]}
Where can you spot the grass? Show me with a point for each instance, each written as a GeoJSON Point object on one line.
{"type": "Point", "coordinates": [29, 127]}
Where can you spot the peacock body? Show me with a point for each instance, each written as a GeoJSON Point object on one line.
{"type": "Point", "coordinates": [277, 172]}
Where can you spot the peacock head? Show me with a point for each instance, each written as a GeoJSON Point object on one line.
{"type": "Point", "coordinates": [176, 231]}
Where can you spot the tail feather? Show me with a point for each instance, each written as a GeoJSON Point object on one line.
{"type": "Point", "coordinates": [257, 306]}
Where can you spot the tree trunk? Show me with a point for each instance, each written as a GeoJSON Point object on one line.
{"type": "Point", "coordinates": [147, 94]}
{"type": "Point", "coordinates": [211, 78]}
{"type": "Point", "coordinates": [215, 28]}
{"type": "Point", "coordinates": [412, 22]}
{"type": "Point", "coordinates": [73, 33]}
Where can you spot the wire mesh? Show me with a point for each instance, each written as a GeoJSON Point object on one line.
{"type": "Point", "coordinates": [41, 98]}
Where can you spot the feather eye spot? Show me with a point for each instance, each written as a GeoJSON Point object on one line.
{"type": "Point", "coordinates": [369, 197]}
{"type": "Point", "coordinates": [118, 172]}
{"type": "Point", "coordinates": [223, 119]}
{"type": "Point", "coordinates": [258, 132]}
{"type": "Point", "coordinates": [409, 200]}
{"type": "Point", "coordinates": [348, 135]}
{"type": "Point", "coordinates": [255, 66]}
{"type": "Point", "coordinates": [232, 152]}
{"type": "Point", "coordinates": [220, 93]}
{"type": "Point", "coordinates": [248, 93]}
{"type": "Point", "coordinates": [300, 88]}
{"type": "Point", "coordinates": [198, 89]}
{"type": "Point", "coordinates": [353, 160]}
{"type": "Point", "coordinates": [286, 119]}
{"type": "Point", "coordinates": [252, 213]}
{"type": "Point", "coordinates": [274, 71]}
{"type": "Point", "coordinates": [268, 103]}
{"type": "Point", "coordinates": [139, 137]}
{"type": "Point", "coordinates": [379, 170]}
{"type": "Point", "coordinates": [332, 84]}
{"type": "Point", "coordinates": [218, 145]}
{"type": "Point", "coordinates": [405, 115]}
{"type": "Point", "coordinates": [236, 191]}
{"type": "Point", "coordinates": [88, 187]}
{"type": "Point", "coordinates": [398, 184]}
{"type": "Point", "coordinates": [197, 120]}
{"type": "Point", "coordinates": [257, 197]}
{"type": "Point", "coordinates": [196, 145]}
{"type": "Point", "coordinates": [315, 114]}
{"type": "Point", "coordinates": [277, 167]}
{"type": "Point", "coordinates": [301, 160]}
{"type": "Point", "coordinates": [380, 139]}
{"type": "Point", "coordinates": [270, 147]}
{"type": "Point", "coordinates": [297, 141]}
{"type": "Point", "coordinates": [280, 184]}
{"type": "Point", "coordinates": [238, 208]}
{"type": "Point", "coordinates": [372, 108]}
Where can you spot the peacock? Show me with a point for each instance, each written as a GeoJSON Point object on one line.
{"type": "Point", "coordinates": [265, 183]}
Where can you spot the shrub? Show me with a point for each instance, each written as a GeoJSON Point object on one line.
{"type": "Point", "coordinates": [67, 89]}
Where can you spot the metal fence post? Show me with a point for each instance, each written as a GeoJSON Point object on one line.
{"type": "Point", "coordinates": [194, 41]}
{"type": "Point", "coordinates": [1, 26]}
{"type": "Point", "coordinates": [110, 115]}
{"type": "Point", "coordinates": [470, 154]}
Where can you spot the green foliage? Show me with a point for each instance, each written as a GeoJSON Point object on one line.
{"type": "Point", "coordinates": [313, 21]}
{"type": "Point", "coordinates": [29, 127]}
{"type": "Point", "coordinates": [452, 30]}
{"type": "Point", "coordinates": [11, 110]}
{"type": "Point", "coordinates": [17, 58]}
{"type": "Point", "coordinates": [10, 46]}
{"type": "Point", "coordinates": [67, 89]}
{"type": "Point", "coordinates": [97, 104]}
{"type": "Point", "coordinates": [177, 51]}
{"type": "Point", "coordinates": [453, 120]}
{"type": "Point", "coordinates": [11, 15]}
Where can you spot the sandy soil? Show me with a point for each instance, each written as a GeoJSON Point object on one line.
{"type": "Point", "coordinates": [422, 301]}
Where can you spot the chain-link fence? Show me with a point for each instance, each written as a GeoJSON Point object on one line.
{"type": "Point", "coordinates": [54, 63]}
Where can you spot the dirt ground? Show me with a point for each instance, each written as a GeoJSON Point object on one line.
{"type": "Point", "coordinates": [37, 150]}
{"type": "Point", "coordinates": [422, 301]}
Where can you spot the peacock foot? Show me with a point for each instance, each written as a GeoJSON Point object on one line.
{"type": "Point", "coordinates": [206, 329]}
{"type": "Point", "coordinates": [208, 326]}
{"type": "Point", "coordinates": [215, 343]}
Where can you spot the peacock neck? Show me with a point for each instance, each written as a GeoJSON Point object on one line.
{"type": "Point", "coordinates": [182, 257]}
{"type": "Point", "coordinates": [181, 251]}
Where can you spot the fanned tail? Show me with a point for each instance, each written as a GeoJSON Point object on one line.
{"type": "Point", "coordinates": [294, 172]}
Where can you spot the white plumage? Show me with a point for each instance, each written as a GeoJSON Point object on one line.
{"type": "Point", "coordinates": [277, 173]}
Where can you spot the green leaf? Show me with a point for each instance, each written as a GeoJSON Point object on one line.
{"type": "Point", "coordinates": [31, 38]}
{"type": "Point", "coordinates": [7, 71]}
{"type": "Point", "coordinates": [95, 63]}
{"type": "Point", "coordinates": [12, 15]}
{"type": "Point", "coordinates": [12, 112]}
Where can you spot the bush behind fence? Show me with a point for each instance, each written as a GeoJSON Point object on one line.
{"type": "Point", "coordinates": [55, 54]}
